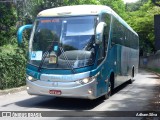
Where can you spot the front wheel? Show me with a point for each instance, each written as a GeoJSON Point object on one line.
{"type": "Point", "coordinates": [131, 81]}
{"type": "Point", "coordinates": [108, 94]}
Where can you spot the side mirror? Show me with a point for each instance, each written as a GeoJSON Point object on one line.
{"type": "Point", "coordinates": [99, 32]}
{"type": "Point", "coordinates": [112, 44]}
{"type": "Point", "coordinates": [20, 32]}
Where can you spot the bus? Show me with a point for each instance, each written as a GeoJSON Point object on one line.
{"type": "Point", "coordinates": [81, 51]}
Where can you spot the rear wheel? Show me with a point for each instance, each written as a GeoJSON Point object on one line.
{"type": "Point", "coordinates": [110, 87]}
{"type": "Point", "coordinates": [131, 80]}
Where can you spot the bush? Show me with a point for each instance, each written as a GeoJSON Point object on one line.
{"type": "Point", "coordinates": [12, 66]}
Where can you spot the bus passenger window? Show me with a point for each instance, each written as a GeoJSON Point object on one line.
{"type": "Point", "coordinates": [117, 33]}
{"type": "Point", "coordinates": [107, 19]}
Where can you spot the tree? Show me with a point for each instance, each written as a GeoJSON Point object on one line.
{"type": "Point", "coordinates": [7, 22]}
{"type": "Point", "coordinates": [33, 7]}
{"type": "Point", "coordinates": [142, 21]}
{"type": "Point", "coordinates": [135, 6]}
{"type": "Point", "coordinates": [156, 2]}
{"type": "Point", "coordinates": [117, 5]}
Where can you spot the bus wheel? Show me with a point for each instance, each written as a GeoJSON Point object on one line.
{"type": "Point", "coordinates": [131, 80]}
{"type": "Point", "coordinates": [108, 94]}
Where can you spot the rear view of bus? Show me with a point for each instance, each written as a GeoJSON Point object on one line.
{"type": "Point", "coordinates": [69, 53]}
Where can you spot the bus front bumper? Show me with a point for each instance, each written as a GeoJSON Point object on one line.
{"type": "Point", "coordinates": [66, 89]}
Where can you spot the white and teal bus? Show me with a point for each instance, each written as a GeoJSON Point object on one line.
{"type": "Point", "coordinates": [82, 51]}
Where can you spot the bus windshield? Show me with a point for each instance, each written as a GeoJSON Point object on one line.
{"type": "Point", "coordinates": [75, 35]}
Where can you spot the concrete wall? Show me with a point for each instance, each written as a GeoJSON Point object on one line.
{"type": "Point", "coordinates": [152, 61]}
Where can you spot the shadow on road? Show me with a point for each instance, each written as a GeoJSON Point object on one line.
{"type": "Point", "coordinates": [48, 102]}
{"type": "Point", "coordinates": [116, 90]}
{"type": "Point", "coordinates": [59, 103]}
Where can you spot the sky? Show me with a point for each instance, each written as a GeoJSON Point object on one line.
{"type": "Point", "coordinates": [129, 1]}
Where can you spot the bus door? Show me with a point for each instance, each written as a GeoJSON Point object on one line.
{"type": "Point", "coordinates": [102, 86]}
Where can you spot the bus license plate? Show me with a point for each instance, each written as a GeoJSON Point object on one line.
{"type": "Point", "coordinates": [56, 92]}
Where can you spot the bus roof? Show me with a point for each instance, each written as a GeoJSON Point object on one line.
{"type": "Point", "coordinates": [73, 10]}
{"type": "Point", "coordinates": [78, 10]}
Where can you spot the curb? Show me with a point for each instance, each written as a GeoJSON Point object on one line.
{"type": "Point", "coordinates": [12, 90]}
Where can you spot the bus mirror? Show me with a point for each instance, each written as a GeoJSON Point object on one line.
{"type": "Point", "coordinates": [112, 44]}
{"type": "Point", "coordinates": [99, 32]}
{"type": "Point", "coordinates": [20, 32]}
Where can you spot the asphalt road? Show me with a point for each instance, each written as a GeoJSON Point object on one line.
{"type": "Point", "coordinates": [142, 95]}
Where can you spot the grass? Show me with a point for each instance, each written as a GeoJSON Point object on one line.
{"type": "Point", "coordinates": [157, 70]}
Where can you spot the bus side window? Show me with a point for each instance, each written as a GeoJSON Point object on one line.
{"type": "Point", "coordinates": [107, 30]}
{"type": "Point", "coordinates": [117, 33]}
{"type": "Point", "coordinates": [105, 39]}
{"type": "Point", "coordinates": [126, 35]}
{"type": "Point", "coordinates": [107, 19]}
{"type": "Point", "coordinates": [114, 39]}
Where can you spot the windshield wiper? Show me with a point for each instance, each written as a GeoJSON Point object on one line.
{"type": "Point", "coordinates": [66, 58]}
{"type": "Point", "coordinates": [64, 24]}
{"type": "Point", "coordinates": [48, 51]}
{"type": "Point", "coordinates": [45, 55]}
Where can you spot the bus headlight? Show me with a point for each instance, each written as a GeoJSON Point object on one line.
{"type": "Point", "coordinates": [89, 79]}
{"type": "Point", "coordinates": [86, 80]}
{"type": "Point", "coordinates": [30, 78]}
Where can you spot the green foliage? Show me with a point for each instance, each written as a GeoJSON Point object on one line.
{"type": "Point", "coordinates": [80, 2]}
{"type": "Point", "coordinates": [33, 7]}
{"type": "Point", "coordinates": [142, 21]}
{"type": "Point", "coordinates": [12, 65]}
{"type": "Point", "coordinates": [156, 2]}
{"type": "Point", "coordinates": [135, 6]}
{"type": "Point", "coordinates": [12, 57]}
{"type": "Point", "coordinates": [117, 5]}
{"type": "Point", "coordinates": [7, 23]}
{"type": "Point", "coordinates": [157, 70]}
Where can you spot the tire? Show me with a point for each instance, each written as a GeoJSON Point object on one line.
{"type": "Point", "coordinates": [110, 88]}
{"type": "Point", "coordinates": [131, 80]}
{"type": "Point", "coordinates": [108, 94]}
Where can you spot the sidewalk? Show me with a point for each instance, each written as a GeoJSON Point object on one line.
{"type": "Point", "coordinates": [12, 90]}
